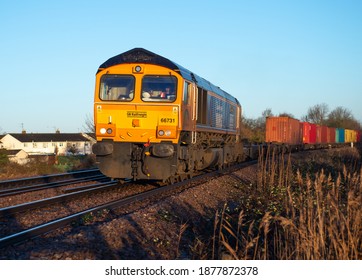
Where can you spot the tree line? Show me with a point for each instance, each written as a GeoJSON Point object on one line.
{"type": "Point", "coordinates": [253, 130]}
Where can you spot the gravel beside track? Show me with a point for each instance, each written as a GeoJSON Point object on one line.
{"type": "Point", "coordinates": [31, 218]}
{"type": "Point", "coordinates": [142, 231]}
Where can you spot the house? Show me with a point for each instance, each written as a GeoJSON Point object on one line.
{"type": "Point", "coordinates": [17, 156]}
{"type": "Point", "coordinates": [49, 143]}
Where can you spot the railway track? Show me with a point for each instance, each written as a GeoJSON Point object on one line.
{"type": "Point", "coordinates": [37, 230]}
{"type": "Point", "coordinates": [46, 179]}
{"type": "Point", "coordinates": [85, 190]}
{"type": "Point", "coordinates": [42, 186]}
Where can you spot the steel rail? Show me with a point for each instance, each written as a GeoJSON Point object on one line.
{"type": "Point", "coordinates": [45, 178]}
{"type": "Point", "coordinates": [20, 190]}
{"type": "Point", "coordinates": [11, 210]}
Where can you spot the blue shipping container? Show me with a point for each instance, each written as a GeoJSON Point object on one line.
{"type": "Point", "coordinates": [340, 135]}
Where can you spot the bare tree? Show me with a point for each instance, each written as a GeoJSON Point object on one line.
{"type": "Point", "coordinates": [253, 130]}
{"type": "Point", "coordinates": [73, 150]}
{"type": "Point", "coordinates": [342, 117]}
{"type": "Point", "coordinates": [89, 124]}
{"type": "Point", "coordinates": [317, 114]}
{"type": "Point", "coordinates": [267, 113]}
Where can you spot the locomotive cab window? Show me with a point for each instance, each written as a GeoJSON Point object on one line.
{"type": "Point", "coordinates": [159, 88]}
{"type": "Point", "coordinates": [117, 87]}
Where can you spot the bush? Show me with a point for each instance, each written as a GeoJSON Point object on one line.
{"type": "Point", "coordinates": [38, 167]}
{"type": "Point", "coordinates": [3, 159]}
{"type": "Point", "coordinates": [75, 162]}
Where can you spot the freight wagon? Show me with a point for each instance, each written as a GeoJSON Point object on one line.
{"type": "Point", "coordinates": [304, 135]}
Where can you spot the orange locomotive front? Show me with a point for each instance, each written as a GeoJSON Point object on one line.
{"type": "Point", "coordinates": [146, 113]}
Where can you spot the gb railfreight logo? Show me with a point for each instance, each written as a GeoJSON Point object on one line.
{"type": "Point", "coordinates": [136, 114]}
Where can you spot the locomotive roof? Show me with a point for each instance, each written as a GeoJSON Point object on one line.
{"type": "Point", "coordinates": [140, 55]}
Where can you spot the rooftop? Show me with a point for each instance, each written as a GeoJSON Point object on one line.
{"type": "Point", "coordinates": [48, 137]}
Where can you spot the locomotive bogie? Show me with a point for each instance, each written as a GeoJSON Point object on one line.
{"type": "Point", "coordinates": [130, 160]}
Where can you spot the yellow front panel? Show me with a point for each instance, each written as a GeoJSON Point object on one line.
{"type": "Point", "coordinates": [137, 123]}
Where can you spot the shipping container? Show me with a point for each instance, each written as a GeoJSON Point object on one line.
{"type": "Point", "coordinates": [350, 136]}
{"type": "Point", "coordinates": [340, 135]}
{"type": "Point", "coordinates": [354, 136]}
{"type": "Point", "coordinates": [308, 132]}
{"type": "Point", "coordinates": [304, 132]}
{"type": "Point", "coordinates": [318, 134]}
{"type": "Point", "coordinates": [324, 134]}
{"type": "Point", "coordinates": [284, 130]}
{"type": "Point", "coordinates": [313, 133]}
{"type": "Point", "coordinates": [347, 136]}
{"type": "Point", "coordinates": [332, 135]}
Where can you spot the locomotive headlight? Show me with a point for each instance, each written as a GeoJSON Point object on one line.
{"type": "Point", "coordinates": [166, 132]}
{"type": "Point", "coordinates": [106, 130]}
{"type": "Point", "coordinates": [138, 68]}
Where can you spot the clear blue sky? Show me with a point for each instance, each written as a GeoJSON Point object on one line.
{"type": "Point", "coordinates": [283, 55]}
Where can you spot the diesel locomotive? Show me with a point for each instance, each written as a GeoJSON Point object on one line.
{"type": "Point", "coordinates": [156, 120]}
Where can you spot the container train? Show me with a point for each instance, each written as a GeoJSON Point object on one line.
{"type": "Point", "coordinates": [155, 119]}
{"type": "Point", "coordinates": [304, 135]}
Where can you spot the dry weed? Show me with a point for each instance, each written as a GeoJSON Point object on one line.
{"type": "Point", "coordinates": [312, 217]}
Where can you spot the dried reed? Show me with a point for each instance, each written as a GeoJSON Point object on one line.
{"type": "Point", "coordinates": [304, 217]}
